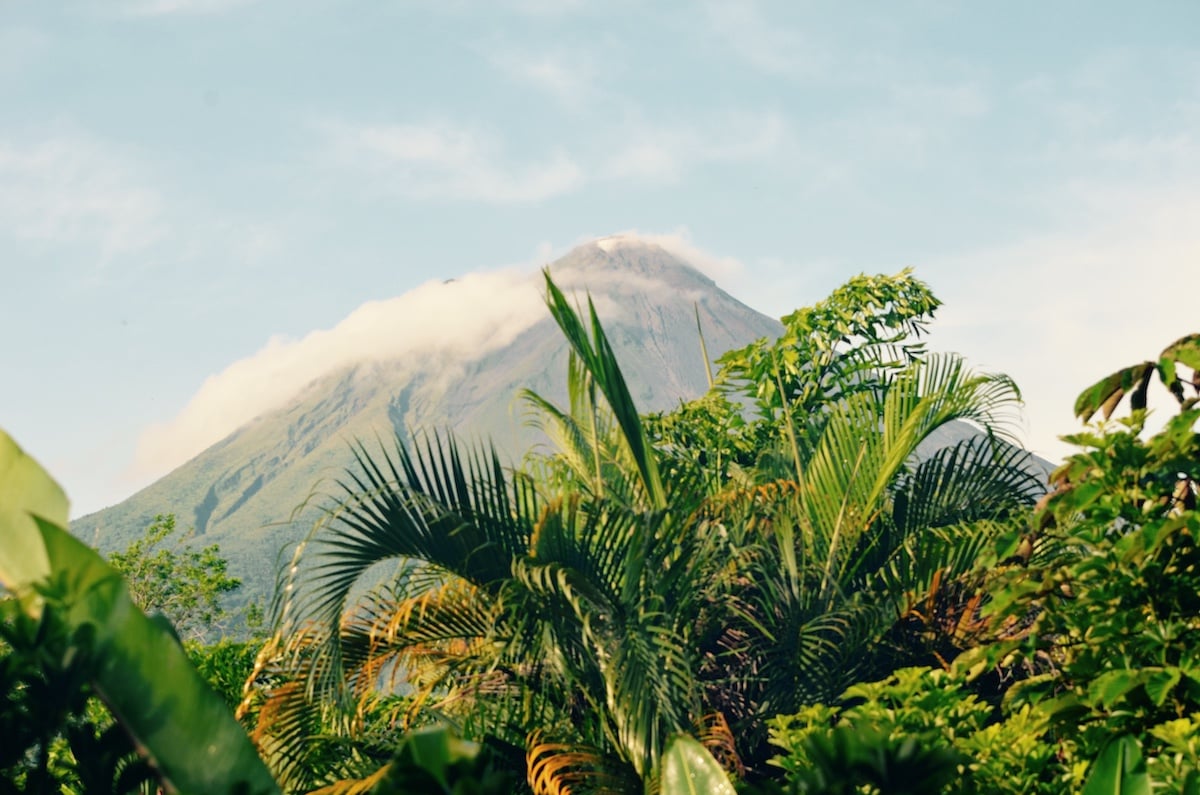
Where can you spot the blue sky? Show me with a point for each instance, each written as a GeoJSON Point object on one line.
{"type": "Point", "coordinates": [186, 183]}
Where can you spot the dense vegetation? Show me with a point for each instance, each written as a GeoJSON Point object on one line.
{"type": "Point", "coordinates": [791, 584]}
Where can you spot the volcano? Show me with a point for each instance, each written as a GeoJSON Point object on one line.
{"type": "Point", "coordinates": [256, 492]}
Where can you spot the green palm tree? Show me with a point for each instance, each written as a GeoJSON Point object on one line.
{"type": "Point", "coordinates": [833, 552]}
{"type": "Point", "coordinates": [519, 604]}
{"type": "Point", "coordinates": [842, 513]}
{"type": "Point", "coordinates": [590, 606]}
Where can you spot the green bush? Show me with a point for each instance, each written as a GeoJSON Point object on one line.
{"type": "Point", "coordinates": [1100, 610]}
{"type": "Point", "coordinates": [919, 730]}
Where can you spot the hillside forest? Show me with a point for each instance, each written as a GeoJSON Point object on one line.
{"type": "Point", "coordinates": [787, 585]}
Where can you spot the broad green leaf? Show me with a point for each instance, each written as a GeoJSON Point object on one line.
{"type": "Point", "coordinates": [1160, 684]}
{"type": "Point", "coordinates": [1119, 770]}
{"type": "Point", "coordinates": [689, 769]}
{"type": "Point", "coordinates": [1065, 709]}
{"type": "Point", "coordinates": [435, 750]}
{"type": "Point", "coordinates": [142, 673]}
{"type": "Point", "coordinates": [1109, 687]}
{"type": "Point", "coordinates": [25, 491]}
{"type": "Point", "coordinates": [1185, 350]}
{"type": "Point", "coordinates": [1105, 394]}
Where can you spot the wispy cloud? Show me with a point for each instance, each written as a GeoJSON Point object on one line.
{"type": "Point", "coordinates": [159, 8]}
{"type": "Point", "coordinates": [725, 271]}
{"type": "Point", "coordinates": [443, 161]}
{"type": "Point", "coordinates": [444, 322]}
{"type": "Point", "coordinates": [665, 153]}
{"type": "Point", "coordinates": [567, 77]}
{"type": "Point", "coordinates": [72, 188]}
{"type": "Point", "coordinates": [765, 44]}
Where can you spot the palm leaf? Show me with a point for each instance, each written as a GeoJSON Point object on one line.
{"type": "Point", "coordinates": [599, 360]}
{"type": "Point", "coordinates": [432, 505]}
{"type": "Point", "coordinates": [557, 768]}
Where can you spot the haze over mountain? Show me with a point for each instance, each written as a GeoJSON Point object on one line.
{"type": "Point", "coordinates": [244, 490]}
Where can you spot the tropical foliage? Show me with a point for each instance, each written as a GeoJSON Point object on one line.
{"type": "Point", "coordinates": [635, 585]}
{"type": "Point", "coordinates": [827, 575]}
{"type": "Point", "coordinates": [186, 585]}
{"type": "Point", "coordinates": [1118, 607]}
{"type": "Point", "coordinates": [1093, 620]}
{"type": "Point", "coordinates": [72, 632]}
{"type": "Point", "coordinates": [920, 730]}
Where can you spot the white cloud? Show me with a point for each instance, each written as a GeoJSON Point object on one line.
{"type": "Point", "coordinates": [454, 321]}
{"type": "Point", "coordinates": [725, 271]}
{"type": "Point", "coordinates": [442, 161]}
{"type": "Point", "coordinates": [72, 188]}
{"type": "Point", "coordinates": [446, 161]}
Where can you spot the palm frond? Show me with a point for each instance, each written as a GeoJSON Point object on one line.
{"type": "Point", "coordinates": [598, 358]}
{"type": "Point", "coordinates": [388, 639]}
{"type": "Point", "coordinates": [716, 735]}
{"type": "Point", "coordinates": [580, 436]}
{"type": "Point", "coordinates": [355, 786]}
{"type": "Point", "coordinates": [977, 477]}
{"type": "Point", "coordinates": [293, 736]}
{"type": "Point", "coordinates": [433, 505]}
{"type": "Point", "coordinates": [557, 768]}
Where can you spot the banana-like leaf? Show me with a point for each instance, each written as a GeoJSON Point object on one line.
{"type": "Point", "coordinates": [142, 673]}
{"type": "Point", "coordinates": [689, 769]}
{"type": "Point", "coordinates": [1119, 770]}
{"type": "Point", "coordinates": [136, 665]}
{"type": "Point", "coordinates": [26, 491]}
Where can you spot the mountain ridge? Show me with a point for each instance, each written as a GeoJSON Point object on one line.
{"type": "Point", "coordinates": [247, 491]}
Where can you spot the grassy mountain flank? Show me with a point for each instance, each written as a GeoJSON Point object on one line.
{"type": "Point", "coordinates": [257, 491]}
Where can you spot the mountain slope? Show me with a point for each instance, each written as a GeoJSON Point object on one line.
{"type": "Point", "coordinates": [248, 491]}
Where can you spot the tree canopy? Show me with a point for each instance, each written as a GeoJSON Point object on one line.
{"type": "Point", "coordinates": [185, 584]}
